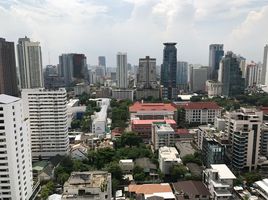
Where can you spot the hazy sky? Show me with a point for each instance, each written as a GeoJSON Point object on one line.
{"type": "Point", "coordinates": [138, 27]}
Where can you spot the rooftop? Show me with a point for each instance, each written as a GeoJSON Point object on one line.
{"type": "Point", "coordinates": [147, 122]}
{"type": "Point", "coordinates": [137, 106]}
{"type": "Point", "coordinates": [191, 188]}
{"type": "Point", "coordinates": [224, 171]}
{"type": "Point", "coordinates": [150, 188]}
{"type": "Point", "coordinates": [6, 99]}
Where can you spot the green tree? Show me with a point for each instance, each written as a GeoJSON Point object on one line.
{"type": "Point", "coordinates": [178, 172]}
{"type": "Point", "coordinates": [129, 139]}
{"type": "Point", "coordinates": [76, 124]}
{"type": "Point", "coordinates": [115, 170]}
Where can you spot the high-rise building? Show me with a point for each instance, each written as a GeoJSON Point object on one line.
{"type": "Point", "coordinates": [146, 77]}
{"type": "Point", "coordinates": [8, 75]}
{"type": "Point", "coordinates": [47, 112]}
{"type": "Point", "coordinates": [182, 75]}
{"type": "Point", "coordinates": [30, 63]}
{"type": "Point", "coordinates": [122, 70]}
{"type": "Point", "coordinates": [244, 129]}
{"type": "Point", "coordinates": [199, 78]}
{"type": "Point", "coordinates": [73, 67]}
{"type": "Point", "coordinates": [230, 75]}
{"type": "Point", "coordinates": [169, 71]}
{"type": "Point", "coordinates": [215, 54]}
{"type": "Point", "coordinates": [102, 63]}
{"type": "Point", "coordinates": [253, 73]}
{"type": "Point", "coordinates": [264, 78]}
{"type": "Point", "coordinates": [15, 150]}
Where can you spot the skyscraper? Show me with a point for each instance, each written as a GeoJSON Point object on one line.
{"type": "Point", "coordinates": [47, 112]}
{"type": "Point", "coordinates": [122, 70]}
{"type": "Point", "coordinates": [215, 54]}
{"type": "Point", "coordinates": [264, 77]}
{"type": "Point", "coordinates": [230, 75]}
{"type": "Point", "coordinates": [182, 75]}
{"type": "Point", "coordinates": [15, 150]}
{"type": "Point", "coordinates": [199, 78]}
{"type": "Point", "coordinates": [73, 67]}
{"type": "Point", "coordinates": [102, 63]}
{"type": "Point", "coordinates": [30, 63]}
{"type": "Point", "coordinates": [169, 71]}
{"type": "Point", "coordinates": [8, 75]}
{"type": "Point", "coordinates": [253, 74]}
{"type": "Point", "coordinates": [146, 76]}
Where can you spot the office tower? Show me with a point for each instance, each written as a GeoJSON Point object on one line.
{"type": "Point", "coordinates": [146, 76]}
{"type": "Point", "coordinates": [244, 129]}
{"type": "Point", "coordinates": [212, 152]}
{"type": "Point", "coordinates": [230, 75]}
{"type": "Point", "coordinates": [253, 72]}
{"type": "Point", "coordinates": [102, 63]}
{"type": "Point", "coordinates": [8, 75]}
{"type": "Point", "coordinates": [182, 75]}
{"type": "Point", "coordinates": [73, 67]}
{"type": "Point", "coordinates": [30, 63]}
{"type": "Point", "coordinates": [169, 71]}
{"type": "Point", "coordinates": [264, 77]}
{"type": "Point", "coordinates": [15, 150]}
{"type": "Point", "coordinates": [199, 78]}
{"type": "Point", "coordinates": [122, 70]}
{"type": "Point", "coordinates": [47, 111]}
{"type": "Point", "coordinates": [215, 54]}
{"type": "Point", "coordinates": [242, 65]}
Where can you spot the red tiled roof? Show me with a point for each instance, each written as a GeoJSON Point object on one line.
{"type": "Point", "coordinates": [150, 188]}
{"type": "Point", "coordinates": [199, 105]}
{"type": "Point", "coordinates": [151, 107]}
{"type": "Point", "coordinates": [138, 121]}
{"type": "Point", "coordinates": [265, 110]}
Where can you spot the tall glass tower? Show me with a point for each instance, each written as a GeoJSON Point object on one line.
{"type": "Point", "coordinates": [215, 54]}
{"type": "Point", "coordinates": [169, 71]}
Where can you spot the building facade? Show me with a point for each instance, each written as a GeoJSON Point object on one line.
{"type": "Point", "coordinates": [30, 63]}
{"type": "Point", "coordinates": [169, 71]}
{"type": "Point", "coordinates": [8, 75]}
{"type": "Point", "coordinates": [47, 112]}
{"type": "Point", "coordinates": [230, 75]}
{"type": "Point", "coordinates": [122, 70]}
{"type": "Point", "coordinates": [182, 75]}
{"type": "Point", "coordinates": [15, 150]}
{"type": "Point", "coordinates": [216, 52]}
{"type": "Point", "coordinates": [199, 78]}
{"type": "Point", "coordinates": [253, 74]}
{"type": "Point", "coordinates": [244, 129]}
{"type": "Point", "coordinates": [168, 157]}
{"type": "Point", "coordinates": [264, 76]}
{"type": "Point", "coordinates": [213, 88]}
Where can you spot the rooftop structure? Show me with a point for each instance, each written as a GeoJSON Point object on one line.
{"type": "Point", "coordinates": [262, 187]}
{"type": "Point", "coordinates": [168, 157]}
{"type": "Point", "coordinates": [148, 190]}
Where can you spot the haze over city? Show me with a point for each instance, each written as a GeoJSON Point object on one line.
{"type": "Point", "coordinates": [138, 27]}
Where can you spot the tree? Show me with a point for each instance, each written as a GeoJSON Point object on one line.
{"type": "Point", "coordinates": [115, 170]}
{"type": "Point", "coordinates": [129, 139]}
{"type": "Point", "coordinates": [138, 174]}
{"type": "Point", "coordinates": [177, 172]}
{"type": "Point", "coordinates": [47, 190]}
{"type": "Point", "coordinates": [75, 124]}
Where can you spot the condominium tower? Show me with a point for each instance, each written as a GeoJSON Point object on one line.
{"type": "Point", "coordinates": [122, 70]}
{"type": "Point", "coordinates": [30, 63]}
{"type": "Point", "coordinates": [15, 150]}
{"type": "Point", "coordinates": [264, 78]}
{"type": "Point", "coordinates": [215, 54]}
{"type": "Point", "coordinates": [47, 111]}
{"type": "Point", "coordinates": [8, 76]}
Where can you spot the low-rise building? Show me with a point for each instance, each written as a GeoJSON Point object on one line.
{"type": "Point", "coordinates": [219, 181]}
{"type": "Point", "coordinates": [162, 135]}
{"type": "Point", "coordinates": [79, 151]}
{"type": "Point", "coordinates": [148, 191]}
{"type": "Point", "coordinates": [126, 165]}
{"type": "Point", "coordinates": [194, 190]}
{"type": "Point", "coordinates": [168, 157]}
{"type": "Point", "coordinates": [123, 94]}
{"type": "Point", "coordinates": [262, 188]}
{"type": "Point", "coordinates": [144, 127]}
{"type": "Point", "coordinates": [152, 111]}
{"type": "Point", "coordinates": [93, 185]}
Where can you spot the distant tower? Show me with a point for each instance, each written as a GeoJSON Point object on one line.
{"type": "Point", "coordinates": [8, 75]}
{"type": "Point", "coordinates": [230, 75]}
{"type": "Point", "coordinates": [215, 54]}
{"type": "Point", "coordinates": [264, 77]}
{"type": "Point", "coordinates": [169, 71]}
{"type": "Point", "coordinates": [102, 63]}
{"type": "Point", "coordinates": [182, 75]}
{"type": "Point", "coordinates": [146, 77]}
{"type": "Point", "coordinates": [122, 71]}
{"type": "Point", "coordinates": [30, 63]}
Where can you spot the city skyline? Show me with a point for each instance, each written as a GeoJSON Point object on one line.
{"type": "Point", "coordinates": [147, 22]}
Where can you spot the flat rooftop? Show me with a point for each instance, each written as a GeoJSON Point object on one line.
{"type": "Point", "coordinates": [137, 106]}
{"type": "Point", "coordinates": [6, 99]}
{"type": "Point", "coordinates": [224, 171]}
{"type": "Point", "coordinates": [148, 122]}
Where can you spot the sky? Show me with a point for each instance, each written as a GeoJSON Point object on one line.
{"type": "Point", "coordinates": [138, 27]}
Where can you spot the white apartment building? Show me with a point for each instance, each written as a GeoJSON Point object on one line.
{"type": "Point", "coordinates": [244, 129]}
{"type": "Point", "coordinates": [99, 119]}
{"type": "Point", "coordinates": [219, 181]}
{"type": "Point", "coordinates": [162, 135]}
{"type": "Point", "coordinates": [213, 88]}
{"type": "Point", "coordinates": [93, 185]}
{"type": "Point", "coordinates": [168, 157]}
{"type": "Point", "coordinates": [47, 111]}
{"type": "Point", "coordinates": [15, 151]}
{"type": "Point", "coordinates": [30, 63]}
{"type": "Point", "coordinates": [122, 70]}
